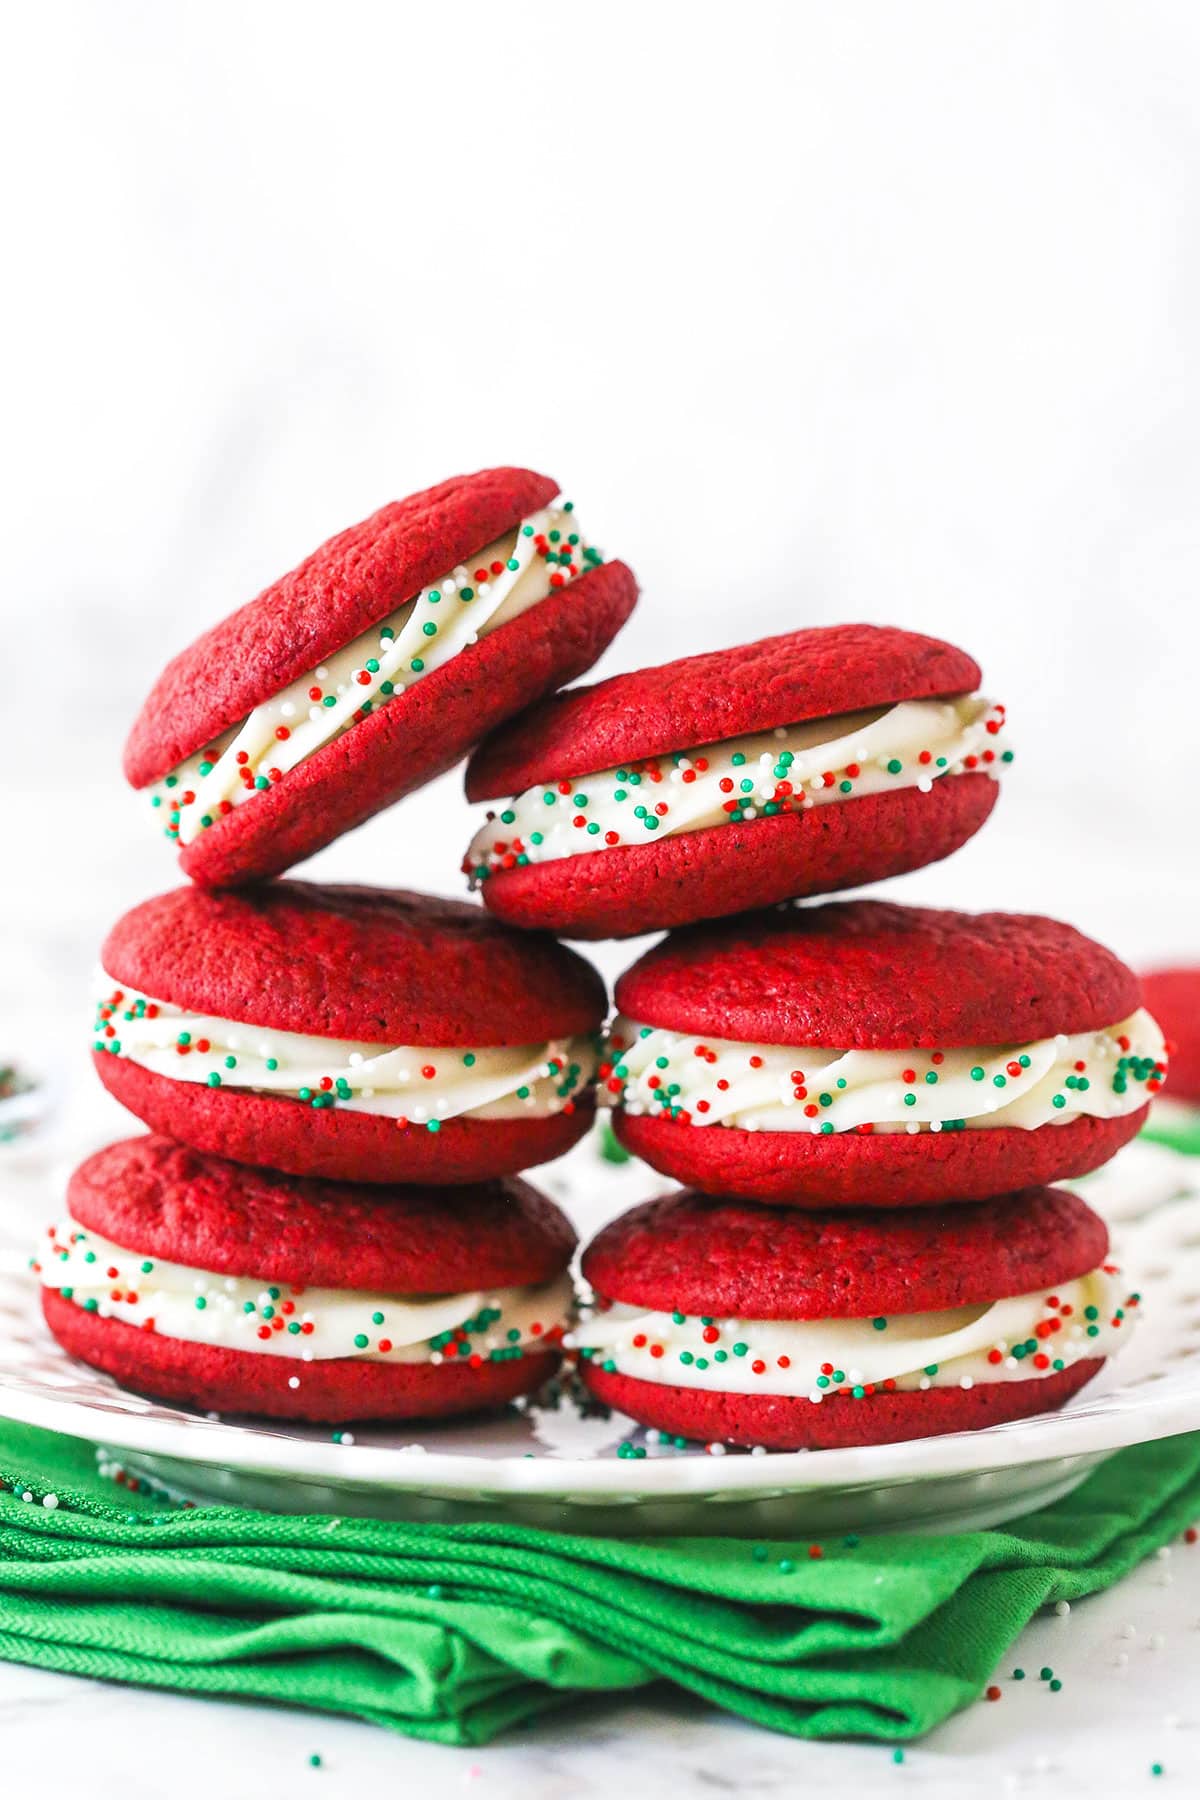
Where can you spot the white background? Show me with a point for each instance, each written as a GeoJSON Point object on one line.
{"type": "Point", "coordinates": [818, 312]}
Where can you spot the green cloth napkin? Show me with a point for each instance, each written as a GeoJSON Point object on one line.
{"type": "Point", "coordinates": [1180, 1132]}
{"type": "Point", "coordinates": [454, 1632]}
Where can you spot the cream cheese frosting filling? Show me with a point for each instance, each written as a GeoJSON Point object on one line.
{"type": "Point", "coordinates": [785, 1087]}
{"type": "Point", "coordinates": [544, 553]}
{"type": "Point", "coordinates": [238, 1312]}
{"type": "Point", "coordinates": [413, 1084]}
{"type": "Point", "coordinates": [1027, 1337]}
{"type": "Point", "coordinates": [818, 763]}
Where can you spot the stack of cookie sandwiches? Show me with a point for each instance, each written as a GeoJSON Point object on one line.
{"type": "Point", "coordinates": [867, 1104]}
{"type": "Point", "coordinates": [342, 1084]}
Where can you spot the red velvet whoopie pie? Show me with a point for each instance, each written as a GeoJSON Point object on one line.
{"type": "Point", "coordinates": [1173, 996]}
{"type": "Point", "coordinates": [196, 1280]}
{"type": "Point", "coordinates": [796, 765]}
{"type": "Point", "coordinates": [351, 1033]}
{"type": "Point", "coordinates": [369, 669]}
{"type": "Point", "coordinates": [751, 1325]}
{"type": "Point", "coordinates": [867, 1054]}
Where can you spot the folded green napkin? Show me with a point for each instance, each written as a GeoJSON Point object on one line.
{"type": "Point", "coordinates": [454, 1632]}
{"type": "Point", "coordinates": [1180, 1130]}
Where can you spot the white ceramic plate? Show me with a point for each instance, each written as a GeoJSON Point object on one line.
{"type": "Point", "coordinates": [550, 1465]}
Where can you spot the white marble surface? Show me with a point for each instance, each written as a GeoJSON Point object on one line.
{"type": "Point", "coordinates": [820, 313]}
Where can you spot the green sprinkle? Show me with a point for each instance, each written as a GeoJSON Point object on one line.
{"type": "Point", "coordinates": [360, 1340]}
{"type": "Point", "coordinates": [201, 1303]}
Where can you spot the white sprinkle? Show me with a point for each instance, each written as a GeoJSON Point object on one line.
{"type": "Point", "coordinates": [288, 709]}
{"type": "Point", "coordinates": [758, 1450]}
{"type": "Point", "coordinates": [293, 1381]}
{"type": "Point", "coordinates": [27, 1495]}
{"type": "Point", "coordinates": [1122, 1659]}
{"type": "Point", "coordinates": [1127, 1631]}
{"type": "Point", "coordinates": [347, 1437]}
{"type": "Point", "coordinates": [1062, 1608]}
{"type": "Point", "coordinates": [715, 1449]}
{"type": "Point", "coordinates": [1157, 1641]}
{"type": "Point", "coordinates": [50, 1501]}
{"type": "Point", "coordinates": [1163, 1552]}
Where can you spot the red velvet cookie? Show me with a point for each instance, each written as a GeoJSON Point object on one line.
{"type": "Point", "coordinates": [369, 669]}
{"type": "Point", "coordinates": [351, 1033]}
{"type": "Point", "coordinates": [239, 1290]}
{"type": "Point", "coordinates": [722, 1321]}
{"type": "Point", "coordinates": [871, 1054]}
{"type": "Point", "coordinates": [1173, 996]}
{"type": "Point", "coordinates": [796, 765]}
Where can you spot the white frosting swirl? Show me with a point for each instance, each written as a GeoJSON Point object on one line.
{"type": "Point", "coordinates": [794, 767]}
{"type": "Point", "coordinates": [543, 553]}
{"type": "Point", "coordinates": [308, 1324]}
{"type": "Point", "coordinates": [413, 1083]}
{"type": "Point", "coordinates": [1028, 1337]}
{"type": "Point", "coordinates": [780, 1087]}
